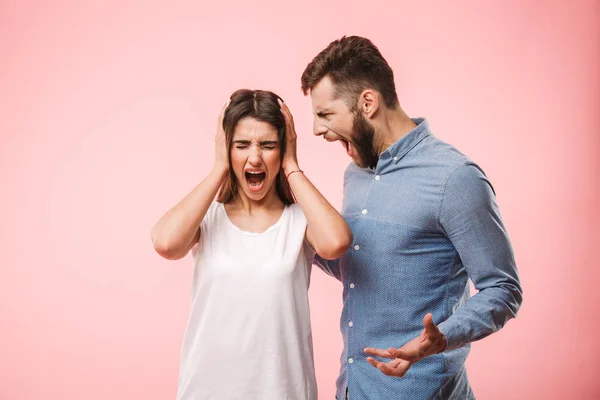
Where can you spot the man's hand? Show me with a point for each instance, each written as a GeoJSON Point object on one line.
{"type": "Point", "coordinates": [430, 341]}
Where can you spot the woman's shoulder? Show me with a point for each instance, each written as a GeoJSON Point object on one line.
{"type": "Point", "coordinates": [214, 208]}
{"type": "Point", "coordinates": [295, 209]}
{"type": "Point", "coordinates": [213, 213]}
{"type": "Point", "coordinates": [295, 212]}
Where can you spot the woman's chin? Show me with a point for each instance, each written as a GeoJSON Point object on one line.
{"type": "Point", "coordinates": [256, 192]}
{"type": "Point", "coordinates": [257, 188]}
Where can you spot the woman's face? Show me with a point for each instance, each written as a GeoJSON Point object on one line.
{"type": "Point", "coordinates": [255, 157]}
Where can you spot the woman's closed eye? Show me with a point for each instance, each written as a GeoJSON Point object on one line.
{"type": "Point", "coordinates": [265, 145]}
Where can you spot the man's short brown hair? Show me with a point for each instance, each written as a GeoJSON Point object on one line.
{"type": "Point", "coordinates": [353, 64]}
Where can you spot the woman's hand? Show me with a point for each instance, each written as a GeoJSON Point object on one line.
{"type": "Point", "coordinates": [290, 158]}
{"type": "Point", "coordinates": [221, 156]}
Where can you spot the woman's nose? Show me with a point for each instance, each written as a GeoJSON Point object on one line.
{"type": "Point", "coordinates": [255, 157]}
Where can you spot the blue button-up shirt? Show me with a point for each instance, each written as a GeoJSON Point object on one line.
{"type": "Point", "coordinates": [425, 221]}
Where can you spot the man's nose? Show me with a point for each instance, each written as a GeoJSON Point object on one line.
{"type": "Point", "coordinates": [318, 128]}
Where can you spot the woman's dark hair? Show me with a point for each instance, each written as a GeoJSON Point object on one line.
{"type": "Point", "coordinates": [261, 105]}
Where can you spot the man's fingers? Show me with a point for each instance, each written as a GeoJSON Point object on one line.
{"type": "Point", "coordinates": [393, 368]}
{"type": "Point", "coordinates": [373, 361]}
{"type": "Point", "coordinates": [430, 327]}
{"type": "Point", "coordinates": [379, 365]}
{"type": "Point", "coordinates": [378, 352]}
{"type": "Point", "coordinates": [397, 368]}
{"type": "Point", "coordinates": [386, 369]}
{"type": "Point", "coordinates": [408, 355]}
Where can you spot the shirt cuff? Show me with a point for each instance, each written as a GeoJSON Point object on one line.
{"type": "Point", "coordinates": [455, 336]}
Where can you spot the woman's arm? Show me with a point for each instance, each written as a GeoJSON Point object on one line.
{"type": "Point", "coordinates": [327, 231]}
{"type": "Point", "coordinates": [179, 229]}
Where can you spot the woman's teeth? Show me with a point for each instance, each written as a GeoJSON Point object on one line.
{"type": "Point", "coordinates": [255, 179]}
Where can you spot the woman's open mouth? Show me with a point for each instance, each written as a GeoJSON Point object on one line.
{"type": "Point", "coordinates": [255, 180]}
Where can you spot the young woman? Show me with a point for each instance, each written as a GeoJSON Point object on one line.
{"type": "Point", "coordinates": [249, 334]}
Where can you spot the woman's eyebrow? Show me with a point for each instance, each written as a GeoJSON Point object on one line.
{"type": "Point", "coordinates": [243, 141]}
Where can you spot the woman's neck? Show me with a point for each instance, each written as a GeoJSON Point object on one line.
{"type": "Point", "coordinates": [245, 205]}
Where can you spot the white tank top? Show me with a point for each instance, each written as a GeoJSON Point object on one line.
{"type": "Point", "coordinates": [248, 334]}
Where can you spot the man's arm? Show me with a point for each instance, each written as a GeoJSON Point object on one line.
{"type": "Point", "coordinates": [471, 219]}
{"type": "Point", "coordinates": [330, 267]}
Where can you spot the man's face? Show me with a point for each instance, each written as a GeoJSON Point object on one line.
{"type": "Point", "coordinates": [336, 122]}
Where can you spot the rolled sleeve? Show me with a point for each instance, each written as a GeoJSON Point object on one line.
{"type": "Point", "coordinates": [330, 267]}
{"type": "Point", "coordinates": [470, 217]}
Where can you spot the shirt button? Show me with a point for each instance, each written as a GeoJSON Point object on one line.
{"type": "Point", "coordinates": [350, 361]}
{"type": "Point", "coordinates": [352, 286]}
{"type": "Point", "coordinates": [395, 158]}
{"type": "Point", "coordinates": [377, 177]}
{"type": "Point", "coordinates": [356, 247]}
{"type": "Point", "coordinates": [364, 211]}
{"type": "Point", "coordinates": [350, 324]}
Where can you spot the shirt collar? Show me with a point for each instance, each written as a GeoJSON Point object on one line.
{"type": "Point", "coordinates": [410, 140]}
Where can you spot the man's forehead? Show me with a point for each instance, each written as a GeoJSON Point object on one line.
{"type": "Point", "coordinates": [323, 88]}
{"type": "Point", "coordinates": [323, 96]}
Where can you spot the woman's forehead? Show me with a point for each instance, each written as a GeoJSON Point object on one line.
{"type": "Point", "coordinates": [252, 129]}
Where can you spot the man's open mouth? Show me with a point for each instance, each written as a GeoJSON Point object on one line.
{"type": "Point", "coordinates": [348, 146]}
{"type": "Point", "coordinates": [345, 144]}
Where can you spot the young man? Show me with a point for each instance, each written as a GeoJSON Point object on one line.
{"type": "Point", "coordinates": [425, 221]}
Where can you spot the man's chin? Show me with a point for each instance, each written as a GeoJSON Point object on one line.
{"type": "Point", "coordinates": [359, 162]}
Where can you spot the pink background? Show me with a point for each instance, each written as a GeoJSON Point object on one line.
{"type": "Point", "coordinates": [107, 119]}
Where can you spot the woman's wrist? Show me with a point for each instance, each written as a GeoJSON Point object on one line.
{"type": "Point", "coordinates": [288, 169]}
{"type": "Point", "coordinates": [287, 176]}
{"type": "Point", "coordinates": [220, 170]}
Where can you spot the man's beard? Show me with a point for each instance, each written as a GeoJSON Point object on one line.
{"type": "Point", "coordinates": [362, 138]}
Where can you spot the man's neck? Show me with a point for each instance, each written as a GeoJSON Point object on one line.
{"type": "Point", "coordinates": [395, 126]}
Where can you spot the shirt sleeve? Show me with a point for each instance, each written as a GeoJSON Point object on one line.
{"type": "Point", "coordinates": [471, 220]}
{"type": "Point", "coordinates": [330, 267]}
